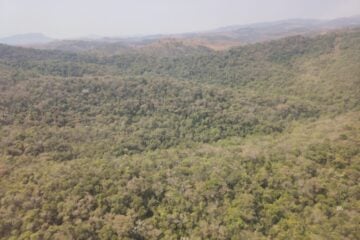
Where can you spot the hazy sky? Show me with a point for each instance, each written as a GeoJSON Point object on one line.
{"type": "Point", "coordinates": [75, 18]}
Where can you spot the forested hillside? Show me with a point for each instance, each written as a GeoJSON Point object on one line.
{"type": "Point", "coordinates": [173, 141]}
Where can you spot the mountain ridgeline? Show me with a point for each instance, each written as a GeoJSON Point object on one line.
{"type": "Point", "coordinates": [217, 39]}
{"type": "Point", "coordinates": [177, 141]}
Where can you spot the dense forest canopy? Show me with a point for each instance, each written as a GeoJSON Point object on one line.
{"type": "Point", "coordinates": [179, 142]}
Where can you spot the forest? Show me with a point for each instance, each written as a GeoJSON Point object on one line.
{"type": "Point", "coordinates": [173, 141]}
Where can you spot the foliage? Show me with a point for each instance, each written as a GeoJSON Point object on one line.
{"type": "Point", "coordinates": [257, 142]}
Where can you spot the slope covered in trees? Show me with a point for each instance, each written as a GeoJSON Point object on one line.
{"type": "Point", "coordinates": [169, 142]}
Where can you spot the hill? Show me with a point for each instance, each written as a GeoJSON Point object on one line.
{"type": "Point", "coordinates": [217, 39]}
{"type": "Point", "coordinates": [237, 35]}
{"type": "Point", "coordinates": [26, 39]}
{"type": "Point", "coordinates": [173, 141]}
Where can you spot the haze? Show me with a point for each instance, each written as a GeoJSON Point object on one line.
{"type": "Point", "coordinates": [71, 19]}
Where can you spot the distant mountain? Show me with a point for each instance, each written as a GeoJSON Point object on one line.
{"type": "Point", "coordinates": [244, 34]}
{"type": "Point", "coordinates": [343, 22]}
{"type": "Point", "coordinates": [217, 39]}
{"type": "Point", "coordinates": [26, 39]}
